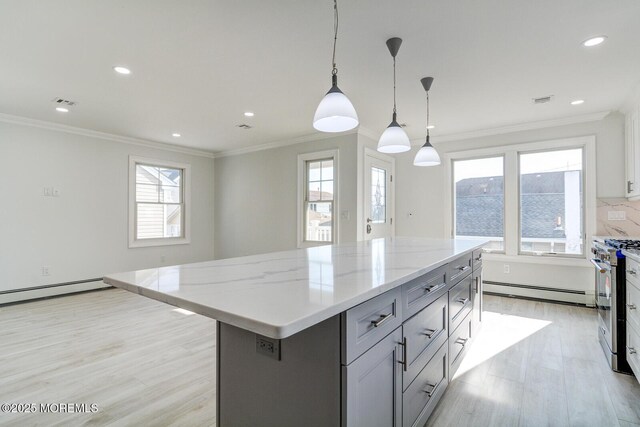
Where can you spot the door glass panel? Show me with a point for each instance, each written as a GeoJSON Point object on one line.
{"type": "Point", "coordinates": [378, 195]}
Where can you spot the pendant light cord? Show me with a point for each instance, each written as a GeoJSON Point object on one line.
{"type": "Point", "coordinates": [335, 35]}
{"type": "Point", "coordinates": [394, 85]}
{"type": "Point", "coordinates": [427, 114]}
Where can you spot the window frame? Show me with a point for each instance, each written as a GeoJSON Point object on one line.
{"type": "Point", "coordinates": [134, 242]}
{"type": "Point", "coordinates": [504, 198]}
{"type": "Point", "coordinates": [512, 195]}
{"type": "Point", "coordinates": [303, 160]}
{"type": "Point", "coordinates": [583, 229]}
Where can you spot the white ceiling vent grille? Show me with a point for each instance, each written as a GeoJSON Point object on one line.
{"type": "Point", "coordinates": [64, 102]}
{"type": "Point", "coordinates": [244, 126]}
{"type": "Point", "coordinates": [543, 99]}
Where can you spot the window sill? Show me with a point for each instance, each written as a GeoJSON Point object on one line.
{"type": "Point", "coordinates": [145, 243]}
{"type": "Point", "coordinates": [537, 259]}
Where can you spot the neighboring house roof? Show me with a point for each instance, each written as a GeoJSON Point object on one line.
{"type": "Point", "coordinates": [542, 202]}
{"type": "Point", "coordinates": [317, 196]}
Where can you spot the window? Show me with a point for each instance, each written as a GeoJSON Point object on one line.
{"type": "Point", "coordinates": [378, 195]}
{"type": "Point", "coordinates": [157, 208]}
{"type": "Point", "coordinates": [551, 202]}
{"type": "Point", "coordinates": [317, 222]}
{"type": "Point", "coordinates": [479, 199]}
{"type": "Point", "coordinates": [530, 199]}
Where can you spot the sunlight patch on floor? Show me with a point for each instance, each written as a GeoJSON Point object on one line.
{"type": "Point", "coordinates": [499, 332]}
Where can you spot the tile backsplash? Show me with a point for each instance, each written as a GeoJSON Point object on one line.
{"type": "Point", "coordinates": [608, 209]}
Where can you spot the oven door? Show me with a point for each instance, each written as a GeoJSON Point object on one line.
{"type": "Point", "coordinates": [605, 292]}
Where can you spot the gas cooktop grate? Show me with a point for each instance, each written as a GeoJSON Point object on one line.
{"type": "Point", "coordinates": [623, 243]}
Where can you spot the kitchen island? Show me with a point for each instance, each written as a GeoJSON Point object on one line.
{"type": "Point", "coordinates": [365, 333]}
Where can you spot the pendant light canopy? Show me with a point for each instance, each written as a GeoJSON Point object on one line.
{"type": "Point", "coordinates": [427, 155]}
{"type": "Point", "coordinates": [394, 139]}
{"type": "Point", "coordinates": [335, 113]}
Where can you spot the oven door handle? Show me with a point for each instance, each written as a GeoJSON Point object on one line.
{"type": "Point", "coordinates": [600, 267]}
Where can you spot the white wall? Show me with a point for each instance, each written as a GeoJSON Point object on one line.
{"type": "Point", "coordinates": [420, 197]}
{"type": "Point", "coordinates": [256, 197]}
{"type": "Point", "coordinates": [82, 234]}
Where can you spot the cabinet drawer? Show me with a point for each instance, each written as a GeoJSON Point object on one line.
{"type": "Point", "coordinates": [424, 334]}
{"type": "Point", "coordinates": [460, 301]}
{"type": "Point", "coordinates": [633, 305]}
{"type": "Point", "coordinates": [458, 344]}
{"type": "Point", "coordinates": [459, 268]}
{"type": "Point", "coordinates": [476, 259]}
{"type": "Point", "coordinates": [633, 350]}
{"type": "Point", "coordinates": [419, 400]}
{"type": "Point", "coordinates": [633, 271]}
{"type": "Point", "coordinates": [422, 291]}
{"type": "Point", "coordinates": [366, 324]}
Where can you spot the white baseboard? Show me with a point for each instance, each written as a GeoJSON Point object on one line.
{"type": "Point", "coordinates": [30, 294]}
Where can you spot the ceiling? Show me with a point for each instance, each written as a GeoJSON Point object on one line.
{"type": "Point", "coordinates": [198, 65]}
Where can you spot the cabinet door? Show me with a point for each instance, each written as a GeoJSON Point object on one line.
{"type": "Point", "coordinates": [372, 386]}
{"type": "Point", "coordinates": [632, 143]}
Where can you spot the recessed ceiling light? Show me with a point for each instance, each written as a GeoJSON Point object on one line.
{"type": "Point", "coordinates": [176, 135]}
{"type": "Point", "coordinates": [594, 41]}
{"type": "Point", "coordinates": [430, 127]}
{"type": "Point", "coordinates": [121, 70]}
{"type": "Point", "coordinates": [577, 102]}
{"type": "Point", "coordinates": [62, 109]}
{"type": "Point", "coordinates": [249, 114]}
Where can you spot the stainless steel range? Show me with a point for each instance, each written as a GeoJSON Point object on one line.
{"type": "Point", "coordinates": [610, 270]}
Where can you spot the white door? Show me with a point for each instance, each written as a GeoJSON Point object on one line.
{"type": "Point", "coordinates": [378, 195]}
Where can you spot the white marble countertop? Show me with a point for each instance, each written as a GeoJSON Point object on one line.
{"type": "Point", "coordinates": [279, 294]}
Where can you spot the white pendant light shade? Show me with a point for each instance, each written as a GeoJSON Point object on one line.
{"type": "Point", "coordinates": [335, 113]}
{"type": "Point", "coordinates": [394, 139]}
{"type": "Point", "coordinates": [427, 156]}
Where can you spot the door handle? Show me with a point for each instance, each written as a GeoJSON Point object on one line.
{"type": "Point", "coordinates": [403, 343]}
{"type": "Point", "coordinates": [631, 306]}
{"type": "Point", "coordinates": [632, 272]}
{"type": "Point", "coordinates": [369, 220]}
{"type": "Point", "coordinates": [631, 350]}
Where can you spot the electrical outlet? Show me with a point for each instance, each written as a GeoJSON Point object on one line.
{"type": "Point", "coordinates": [268, 346]}
{"type": "Point", "coordinates": [507, 269]}
{"type": "Point", "coordinates": [616, 215]}
{"type": "Point", "coordinates": [47, 191]}
{"type": "Point", "coordinates": [45, 271]}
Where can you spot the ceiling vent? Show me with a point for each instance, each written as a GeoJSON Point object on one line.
{"type": "Point", "coordinates": [244, 126]}
{"type": "Point", "coordinates": [543, 100]}
{"type": "Point", "coordinates": [65, 102]}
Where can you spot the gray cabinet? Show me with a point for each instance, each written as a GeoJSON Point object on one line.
{"type": "Point", "coordinates": [372, 385]}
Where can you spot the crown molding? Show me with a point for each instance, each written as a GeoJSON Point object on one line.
{"type": "Point", "coordinates": [41, 124]}
{"type": "Point", "coordinates": [317, 136]}
{"type": "Point", "coordinates": [584, 118]}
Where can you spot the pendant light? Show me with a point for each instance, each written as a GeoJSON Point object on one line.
{"type": "Point", "coordinates": [335, 113]}
{"type": "Point", "coordinates": [394, 139]}
{"type": "Point", "coordinates": [427, 155]}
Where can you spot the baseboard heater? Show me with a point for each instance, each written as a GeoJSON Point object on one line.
{"type": "Point", "coordinates": [538, 292]}
{"type": "Point", "coordinates": [46, 291]}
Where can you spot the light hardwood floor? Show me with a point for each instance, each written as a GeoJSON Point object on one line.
{"type": "Point", "coordinates": [143, 363]}
{"type": "Point", "coordinates": [537, 364]}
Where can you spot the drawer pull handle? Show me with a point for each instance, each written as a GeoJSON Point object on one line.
{"type": "Point", "coordinates": [432, 332]}
{"type": "Point", "coordinates": [631, 306]}
{"type": "Point", "coordinates": [434, 387]}
{"type": "Point", "coordinates": [462, 301]}
{"type": "Point", "coordinates": [633, 272]}
{"type": "Point", "coordinates": [462, 341]}
{"type": "Point", "coordinates": [631, 350]}
{"type": "Point", "coordinates": [383, 318]}
{"type": "Point", "coordinates": [478, 259]}
{"type": "Point", "coordinates": [433, 288]}
{"type": "Point", "coordinates": [464, 268]}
